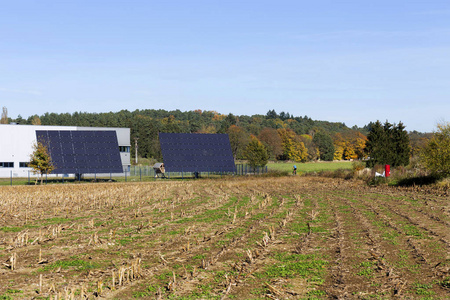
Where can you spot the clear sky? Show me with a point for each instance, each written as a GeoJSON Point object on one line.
{"type": "Point", "coordinates": [348, 61]}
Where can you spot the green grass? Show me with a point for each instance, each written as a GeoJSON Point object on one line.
{"type": "Point", "coordinates": [309, 166]}
{"type": "Point", "coordinates": [293, 265]}
{"type": "Point", "coordinates": [10, 229]}
{"type": "Point", "coordinates": [423, 289]}
{"type": "Point", "coordinates": [367, 269]}
{"type": "Point", "coordinates": [78, 264]}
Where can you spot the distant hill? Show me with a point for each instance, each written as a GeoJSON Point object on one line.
{"type": "Point", "coordinates": [146, 124]}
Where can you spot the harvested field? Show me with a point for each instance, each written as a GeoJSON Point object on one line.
{"type": "Point", "coordinates": [238, 238]}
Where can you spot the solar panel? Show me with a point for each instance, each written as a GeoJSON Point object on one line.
{"type": "Point", "coordinates": [81, 152]}
{"type": "Point", "coordinates": [196, 152]}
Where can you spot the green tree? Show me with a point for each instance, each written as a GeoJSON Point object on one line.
{"type": "Point", "coordinates": [325, 144]}
{"type": "Point", "coordinates": [401, 145]}
{"type": "Point", "coordinates": [388, 144]}
{"type": "Point", "coordinates": [238, 140]}
{"type": "Point", "coordinates": [436, 154]}
{"type": "Point", "coordinates": [227, 122]}
{"type": "Point", "coordinates": [375, 143]}
{"type": "Point", "coordinates": [256, 153]}
{"type": "Point", "coordinates": [40, 161]}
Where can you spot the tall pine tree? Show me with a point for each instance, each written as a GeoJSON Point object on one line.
{"type": "Point", "coordinates": [388, 144]}
{"type": "Point", "coordinates": [401, 145]}
{"type": "Point", "coordinates": [325, 144]}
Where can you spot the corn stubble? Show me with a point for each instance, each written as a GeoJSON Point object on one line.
{"type": "Point", "coordinates": [212, 239]}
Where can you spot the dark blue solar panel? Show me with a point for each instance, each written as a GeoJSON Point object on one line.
{"type": "Point", "coordinates": [82, 151]}
{"type": "Point", "coordinates": [195, 152]}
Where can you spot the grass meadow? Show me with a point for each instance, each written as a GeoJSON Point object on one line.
{"type": "Point", "coordinates": [309, 166]}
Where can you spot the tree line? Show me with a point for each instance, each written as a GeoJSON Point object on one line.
{"type": "Point", "coordinates": [272, 136]}
{"type": "Point", "coordinates": [284, 136]}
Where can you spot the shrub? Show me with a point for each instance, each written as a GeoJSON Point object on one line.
{"type": "Point", "coordinates": [358, 166]}
{"type": "Point", "coordinates": [436, 154]}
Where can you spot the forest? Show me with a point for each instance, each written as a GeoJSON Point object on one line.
{"type": "Point", "coordinates": [285, 136]}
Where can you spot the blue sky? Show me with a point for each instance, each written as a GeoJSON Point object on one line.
{"type": "Point", "coordinates": [345, 61]}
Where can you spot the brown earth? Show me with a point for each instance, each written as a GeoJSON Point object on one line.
{"type": "Point", "coordinates": [234, 238]}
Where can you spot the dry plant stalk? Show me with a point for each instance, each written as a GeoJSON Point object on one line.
{"type": "Point", "coordinates": [172, 283]}
{"type": "Point", "coordinates": [100, 287]}
{"type": "Point", "coordinates": [82, 294]}
{"type": "Point", "coordinates": [273, 289]}
{"type": "Point", "coordinates": [187, 231]}
{"type": "Point", "coordinates": [272, 232]}
{"type": "Point", "coordinates": [12, 261]}
{"type": "Point", "coordinates": [164, 261]}
{"type": "Point", "coordinates": [313, 215]}
{"type": "Point", "coordinates": [121, 274]}
{"type": "Point", "coordinates": [205, 264]}
{"type": "Point", "coordinates": [249, 256]}
{"type": "Point", "coordinates": [113, 285]}
{"type": "Point", "coordinates": [265, 241]}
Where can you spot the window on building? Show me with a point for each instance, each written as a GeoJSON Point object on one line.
{"type": "Point", "coordinates": [6, 165]}
{"type": "Point", "coordinates": [124, 149]}
{"type": "Point", "coordinates": [23, 164]}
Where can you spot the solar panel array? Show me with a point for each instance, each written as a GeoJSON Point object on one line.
{"type": "Point", "coordinates": [196, 152]}
{"type": "Point", "coordinates": [82, 152]}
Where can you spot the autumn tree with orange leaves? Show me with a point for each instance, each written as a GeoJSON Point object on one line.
{"type": "Point", "coordinates": [349, 145]}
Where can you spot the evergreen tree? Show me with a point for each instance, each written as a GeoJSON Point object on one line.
{"type": "Point", "coordinates": [374, 144]}
{"type": "Point", "coordinates": [229, 120]}
{"type": "Point", "coordinates": [325, 144]}
{"type": "Point", "coordinates": [402, 146]}
{"type": "Point", "coordinates": [272, 114]}
{"type": "Point", "coordinates": [256, 153]}
{"type": "Point", "coordinates": [388, 144]}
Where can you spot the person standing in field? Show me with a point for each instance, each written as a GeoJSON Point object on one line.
{"type": "Point", "coordinates": [294, 170]}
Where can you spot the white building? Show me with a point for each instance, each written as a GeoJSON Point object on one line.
{"type": "Point", "coordinates": [17, 145]}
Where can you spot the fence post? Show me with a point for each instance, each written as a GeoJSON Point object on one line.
{"type": "Point", "coordinates": [11, 178]}
{"type": "Point", "coordinates": [140, 174]}
{"type": "Point", "coordinates": [125, 176]}
{"type": "Point", "coordinates": [28, 177]}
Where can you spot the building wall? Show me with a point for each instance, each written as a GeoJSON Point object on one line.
{"type": "Point", "coordinates": [16, 145]}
